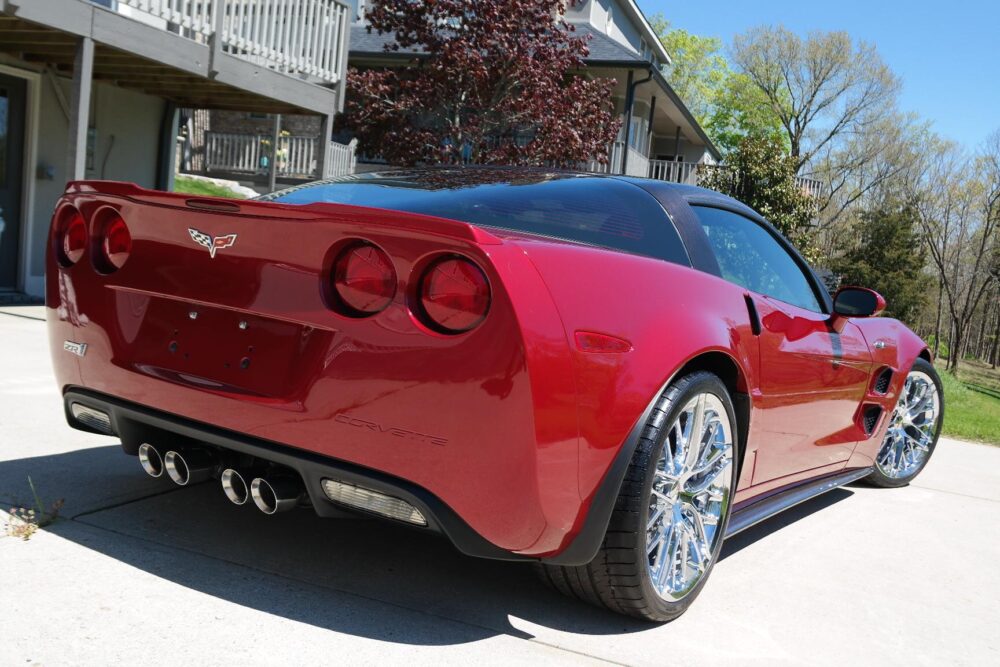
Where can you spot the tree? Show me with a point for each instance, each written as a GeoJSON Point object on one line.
{"type": "Point", "coordinates": [878, 164]}
{"type": "Point", "coordinates": [492, 84]}
{"type": "Point", "coordinates": [959, 213]}
{"type": "Point", "coordinates": [725, 103]}
{"type": "Point", "coordinates": [761, 175]}
{"type": "Point", "coordinates": [889, 257]}
{"type": "Point", "coordinates": [698, 70]}
{"type": "Point", "coordinates": [821, 88]}
{"type": "Point", "coordinates": [741, 110]}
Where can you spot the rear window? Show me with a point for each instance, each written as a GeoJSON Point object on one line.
{"type": "Point", "coordinates": [596, 211]}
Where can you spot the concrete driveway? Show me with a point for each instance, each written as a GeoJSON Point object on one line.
{"type": "Point", "coordinates": [143, 572]}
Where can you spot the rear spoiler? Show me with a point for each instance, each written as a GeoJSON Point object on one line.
{"type": "Point", "coordinates": [264, 209]}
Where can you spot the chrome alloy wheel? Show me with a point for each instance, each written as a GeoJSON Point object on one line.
{"type": "Point", "coordinates": [912, 427]}
{"type": "Point", "coordinates": [690, 495]}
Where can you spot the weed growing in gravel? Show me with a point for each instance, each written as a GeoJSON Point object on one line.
{"type": "Point", "coordinates": [25, 522]}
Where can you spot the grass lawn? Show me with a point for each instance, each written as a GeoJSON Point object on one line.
{"type": "Point", "coordinates": [972, 402]}
{"type": "Point", "coordinates": [194, 186]}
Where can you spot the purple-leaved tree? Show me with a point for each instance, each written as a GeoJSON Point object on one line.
{"type": "Point", "coordinates": [494, 82]}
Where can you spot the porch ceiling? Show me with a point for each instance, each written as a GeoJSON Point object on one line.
{"type": "Point", "coordinates": [670, 112]}
{"type": "Point", "coordinates": [37, 43]}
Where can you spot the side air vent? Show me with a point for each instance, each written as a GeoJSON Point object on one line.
{"type": "Point", "coordinates": [870, 418]}
{"type": "Point", "coordinates": [882, 381]}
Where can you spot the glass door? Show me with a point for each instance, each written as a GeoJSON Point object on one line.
{"type": "Point", "coordinates": [12, 97]}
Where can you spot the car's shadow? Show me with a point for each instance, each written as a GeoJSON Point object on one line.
{"type": "Point", "coordinates": [336, 574]}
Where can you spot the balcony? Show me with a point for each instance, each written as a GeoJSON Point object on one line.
{"type": "Point", "coordinates": [304, 38]}
{"type": "Point", "coordinates": [271, 56]}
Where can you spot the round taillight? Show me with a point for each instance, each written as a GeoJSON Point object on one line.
{"type": "Point", "coordinates": [455, 295]}
{"type": "Point", "coordinates": [364, 279]}
{"type": "Point", "coordinates": [72, 236]}
{"type": "Point", "coordinates": [115, 241]}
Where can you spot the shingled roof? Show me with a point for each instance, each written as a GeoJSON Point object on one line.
{"type": "Point", "coordinates": [602, 47]}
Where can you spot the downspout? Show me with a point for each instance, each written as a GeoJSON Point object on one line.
{"type": "Point", "coordinates": [629, 102]}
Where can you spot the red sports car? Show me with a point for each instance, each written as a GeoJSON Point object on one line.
{"type": "Point", "coordinates": [606, 376]}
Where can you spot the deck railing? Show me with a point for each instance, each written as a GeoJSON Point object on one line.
{"type": "Point", "coordinates": [295, 157]}
{"type": "Point", "coordinates": [342, 159]}
{"type": "Point", "coordinates": [675, 172]}
{"type": "Point", "coordinates": [637, 164]}
{"type": "Point", "coordinates": [689, 172]}
{"type": "Point", "coordinates": [301, 37]}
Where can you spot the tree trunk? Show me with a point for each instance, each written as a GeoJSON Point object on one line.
{"type": "Point", "coordinates": [981, 337]}
{"type": "Point", "coordinates": [995, 352]}
{"type": "Point", "coordinates": [961, 341]}
{"type": "Point", "coordinates": [937, 322]}
{"type": "Point", "coordinates": [952, 350]}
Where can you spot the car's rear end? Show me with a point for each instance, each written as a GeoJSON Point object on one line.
{"type": "Point", "coordinates": [406, 365]}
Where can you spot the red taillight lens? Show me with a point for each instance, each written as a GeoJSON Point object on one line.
{"type": "Point", "coordinates": [116, 242]}
{"type": "Point", "coordinates": [364, 279]}
{"type": "Point", "coordinates": [73, 236]}
{"type": "Point", "coordinates": [455, 295]}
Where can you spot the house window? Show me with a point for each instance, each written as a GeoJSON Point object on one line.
{"type": "Point", "coordinates": [638, 134]}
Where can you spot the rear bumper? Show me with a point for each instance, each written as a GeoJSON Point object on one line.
{"type": "Point", "coordinates": [131, 421]}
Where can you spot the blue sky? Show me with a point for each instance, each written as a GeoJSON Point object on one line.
{"type": "Point", "coordinates": [948, 54]}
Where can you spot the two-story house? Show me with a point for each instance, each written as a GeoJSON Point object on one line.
{"type": "Point", "coordinates": [91, 89]}
{"type": "Point", "coordinates": [663, 139]}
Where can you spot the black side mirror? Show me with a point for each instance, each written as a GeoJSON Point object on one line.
{"type": "Point", "coordinates": [858, 302]}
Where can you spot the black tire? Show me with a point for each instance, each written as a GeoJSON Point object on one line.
{"type": "Point", "coordinates": [618, 577]}
{"type": "Point", "coordinates": [877, 477]}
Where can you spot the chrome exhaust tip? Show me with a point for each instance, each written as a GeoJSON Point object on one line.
{"type": "Point", "coordinates": [150, 460]}
{"type": "Point", "coordinates": [189, 467]}
{"type": "Point", "coordinates": [277, 495]}
{"type": "Point", "coordinates": [235, 487]}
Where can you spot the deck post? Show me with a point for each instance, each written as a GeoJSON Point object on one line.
{"type": "Point", "coordinates": [215, 41]}
{"type": "Point", "coordinates": [323, 155]}
{"type": "Point", "coordinates": [272, 165]}
{"type": "Point", "coordinates": [649, 137]}
{"type": "Point", "coordinates": [79, 116]}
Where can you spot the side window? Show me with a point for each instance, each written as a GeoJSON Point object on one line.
{"type": "Point", "coordinates": [750, 257]}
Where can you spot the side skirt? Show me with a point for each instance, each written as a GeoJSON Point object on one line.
{"type": "Point", "coordinates": [779, 502]}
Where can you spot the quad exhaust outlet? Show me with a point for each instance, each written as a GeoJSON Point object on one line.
{"type": "Point", "coordinates": [189, 466]}
{"type": "Point", "coordinates": [151, 460]}
{"type": "Point", "coordinates": [278, 494]}
{"type": "Point", "coordinates": [234, 485]}
{"type": "Point", "coordinates": [271, 494]}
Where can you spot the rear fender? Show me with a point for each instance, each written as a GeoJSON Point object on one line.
{"type": "Point", "coordinates": [670, 314]}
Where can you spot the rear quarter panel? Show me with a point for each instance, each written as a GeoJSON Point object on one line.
{"type": "Point", "coordinates": [668, 312]}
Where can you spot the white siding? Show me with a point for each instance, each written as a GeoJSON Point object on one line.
{"type": "Point", "coordinates": [610, 18]}
{"type": "Point", "coordinates": [132, 119]}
